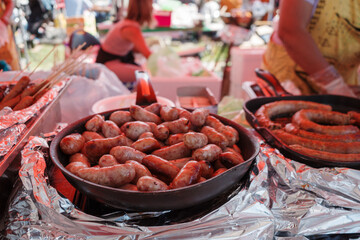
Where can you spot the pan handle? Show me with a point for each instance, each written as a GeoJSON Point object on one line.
{"type": "Point", "coordinates": [145, 94]}
{"type": "Point", "coordinates": [272, 81]}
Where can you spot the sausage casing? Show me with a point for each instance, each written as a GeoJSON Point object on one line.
{"type": "Point", "coordinates": [173, 152]}
{"type": "Point", "coordinates": [188, 175]}
{"type": "Point", "coordinates": [151, 184]}
{"type": "Point", "coordinates": [194, 140]}
{"type": "Point", "coordinates": [160, 165]}
{"type": "Point", "coordinates": [125, 153]}
{"type": "Point", "coordinates": [110, 129]}
{"type": "Point", "coordinates": [209, 153]}
{"type": "Point", "coordinates": [134, 129]}
{"type": "Point", "coordinates": [72, 143]}
{"type": "Point", "coordinates": [95, 123]}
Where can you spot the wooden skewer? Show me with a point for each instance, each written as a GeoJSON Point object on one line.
{"type": "Point", "coordinates": [42, 60]}
{"type": "Point", "coordinates": [19, 73]}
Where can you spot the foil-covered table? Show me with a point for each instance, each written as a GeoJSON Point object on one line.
{"type": "Point", "coordinates": [281, 199]}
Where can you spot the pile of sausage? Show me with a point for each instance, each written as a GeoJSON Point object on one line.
{"type": "Point", "coordinates": [154, 148]}
{"type": "Point", "coordinates": [22, 95]}
{"type": "Point", "coordinates": [314, 130]}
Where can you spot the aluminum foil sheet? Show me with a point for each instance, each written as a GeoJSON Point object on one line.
{"type": "Point", "coordinates": [12, 123]}
{"type": "Point", "coordinates": [282, 199]}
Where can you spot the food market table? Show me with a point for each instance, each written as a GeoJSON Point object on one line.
{"type": "Point", "coordinates": [279, 198]}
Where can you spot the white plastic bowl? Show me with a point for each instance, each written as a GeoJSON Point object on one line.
{"type": "Point", "coordinates": [123, 101]}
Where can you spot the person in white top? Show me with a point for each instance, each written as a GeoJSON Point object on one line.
{"type": "Point", "coordinates": [125, 38]}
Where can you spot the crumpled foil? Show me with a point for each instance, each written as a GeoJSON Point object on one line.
{"type": "Point", "coordinates": [282, 199]}
{"type": "Point", "coordinates": [12, 123]}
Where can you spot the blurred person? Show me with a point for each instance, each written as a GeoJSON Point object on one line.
{"type": "Point", "coordinates": [124, 38]}
{"type": "Point", "coordinates": [316, 46]}
{"type": "Point", "coordinates": [8, 51]}
{"type": "Point", "coordinates": [76, 8]}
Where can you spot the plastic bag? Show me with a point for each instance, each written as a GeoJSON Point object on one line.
{"type": "Point", "coordinates": [165, 62]}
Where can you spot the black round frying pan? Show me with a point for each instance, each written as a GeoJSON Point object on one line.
{"type": "Point", "coordinates": [338, 103]}
{"type": "Point", "coordinates": [165, 200]}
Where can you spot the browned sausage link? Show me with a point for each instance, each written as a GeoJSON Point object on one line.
{"type": "Point", "coordinates": [95, 123]}
{"type": "Point", "coordinates": [267, 112]}
{"type": "Point", "coordinates": [180, 125]}
{"type": "Point", "coordinates": [72, 143]}
{"type": "Point", "coordinates": [79, 157]}
{"type": "Point", "coordinates": [113, 176]}
{"type": "Point", "coordinates": [328, 156]}
{"type": "Point", "coordinates": [188, 175]}
{"type": "Point", "coordinates": [110, 129]}
{"type": "Point", "coordinates": [219, 171]}
{"type": "Point", "coordinates": [74, 167]}
{"type": "Point", "coordinates": [141, 114]}
{"type": "Point", "coordinates": [17, 89]}
{"type": "Point", "coordinates": [209, 153]}
{"type": "Point", "coordinates": [154, 108]}
{"type": "Point", "coordinates": [174, 139]}
{"type": "Point", "coordinates": [218, 164]}
{"type": "Point", "coordinates": [134, 129]}
{"type": "Point", "coordinates": [146, 145]}
{"type": "Point", "coordinates": [91, 135]}
{"type": "Point", "coordinates": [201, 179]}
{"type": "Point", "coordinates": [11, 102]}
{"type": "Point", "coordinates": [207, 169]}
{"type": "Point", "coordinates": [293, 129]}
{"type": "Point", "coordinates": [40, 94]}
{"type": "Point", "coordinates": [129, 187]}
{"type": "Point", "coordinates": [125, 153]}
{"type": "Point", "coordinates": [183, 113]}
{"type": "Point", "coordinates": [120, 117]}
{"type": "Point", "coordinates": [160, 131]}
{"type": "Point", "coordinates": [180, 162]}
{"type": "Point", "coordinates": [94, 149]}
{"type": "Point", "coordinates": [160, 165]}
{"type": "Point", "coordinates": [230, 159]}
{"type": "Point", "coordinates": [151, 184]}
{"type": "Point", "coordinates": [308, 119]}
{"type": "Point", "coordinates": [173, 152]}
{"type": "Point", "coordinates": [31, 90]}
{"type": "Point", "coordinates": [168, 113]}
{"type": "Point", "coordinates": [198, 116]}
{"type": "Point", "coordinates": [194, 140]}
{"type": "Point", "coordinates": [146, 135]}
{"type": "Point", "coordinates": [355, 117]}
{"type": "Point", "coordinates": [335, 147]}
{"type": "Point", "coordinates": [236, 148]}
{"type": "Point", "coordinates": [24, 103]}
{"type": "Point", "coordinates": [140, 170]}
{"type": "Point", "coordinates": [107, 160]}
{"type": "Point", "coordinates": [215, 137]}
{"type": "Point", "coordinates": [229, 132]}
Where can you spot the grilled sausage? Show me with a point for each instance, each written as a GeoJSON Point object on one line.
{"type": "Point", "coordinates": [173, 152]}
{"type": "Point", "coordinates": [95, 123]}
{"type": "Point", "coordinates": [160, 165]}
{"type": "Point", "coordinates": [188, 175]}
{"type": "Point", "coordinates": [125, 153]}
{"type": "Point", "coordinates": [72, 143]}
{"type": "Point", "coordinates": [120, 117]}
{"type": "Point", "coordinates": [141, 114]}
{"type": "Point", "coordinates": [151, 184]}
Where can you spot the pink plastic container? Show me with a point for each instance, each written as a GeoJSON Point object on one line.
{"type": "Point", "coordinates": [163, 18]}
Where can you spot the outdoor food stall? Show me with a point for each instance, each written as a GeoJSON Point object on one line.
{"type": "Point", "coordinates": [82, 156]}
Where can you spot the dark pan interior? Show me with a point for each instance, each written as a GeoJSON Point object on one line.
{"type": "Point", "coordinates": [165, 200]}
{"type": "Point", "coordinates": [339, 103]}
